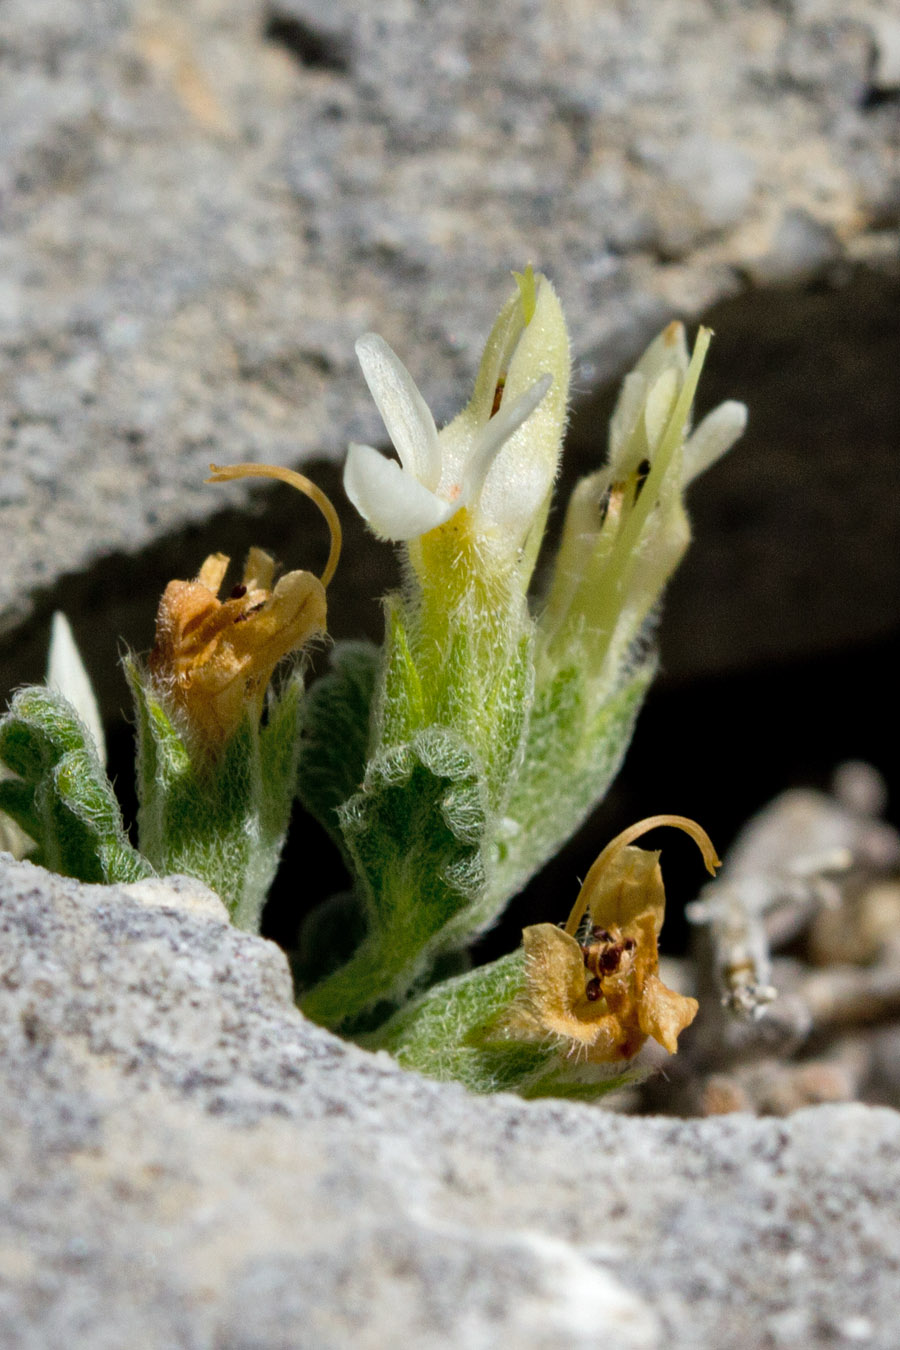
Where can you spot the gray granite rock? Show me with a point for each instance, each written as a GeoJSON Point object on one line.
{"type": "Point", "coordinates": [185, 1162]}
{"type": "Point", "coordinates": [204, 205]}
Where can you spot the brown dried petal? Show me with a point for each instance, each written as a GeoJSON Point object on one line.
{"type": "Point", "coordinates": [663, 1014]}
{"type": "Point", "coordinates": [556, 984]}
{"type": "Point", "coordinates": [555, 1004]}
{"type": "Point", "coordinates": [630, 886]}
{"type": "Point", "coordinates": [633, 1002]}
{"type": "Point", "coordinates": [214, 659]}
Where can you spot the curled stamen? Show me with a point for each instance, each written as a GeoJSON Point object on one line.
{"type": "Point", "coordinates": [696, 832]}
{"type": "Point", "coordinates": [227, 473]}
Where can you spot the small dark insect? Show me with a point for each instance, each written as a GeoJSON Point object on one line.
{"type": "Point", "coordinates": [239, 592]}
{"type": "Point", "coordinates": [603, 954]}
{"type": "Point", "coordinates": [498, 395]}
{"type": "Point", "coordinates": [641, 477]}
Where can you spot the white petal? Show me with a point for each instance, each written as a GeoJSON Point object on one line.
{"type": "Point", "coordinates": [667, 351]}
{"type": "Point", "coordinates": [659, 406]}
{"type": "Point", "coordinates": [395, 504]}
{"type": "Point", "coordinates": [625, 415]}
{"type": "Point", "coordinates": [716, 433]}
{"type": "Point", "coordinates": [498, 431]}
{"type": "Point", "coordinates": [67, 675]}
{"type": "Point", "coordinates": [405, 413]}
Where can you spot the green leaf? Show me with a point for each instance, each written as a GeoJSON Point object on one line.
{"type": "Point", "coordinates": [573, 752]}
{"type": "Point", "coordinates": [221, 818]}
{"type": "Point", "coordinates": [400, 706]}
{"type": "Point", "coordinates": [415, 834]}
{"type": "Point", "coordinates": [448, 723]}
{"type": "Point", "coordinates": [63, 798]}
{"type": "Point", "coordinates": [448, 1033]}
{"type": "Point", "coordinates": [336, 717]}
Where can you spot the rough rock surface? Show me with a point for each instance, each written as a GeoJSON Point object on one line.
{"type": "Point", "coordinates": [187, 1163]}
{"type": "Point", "coordinates": [203, 206]}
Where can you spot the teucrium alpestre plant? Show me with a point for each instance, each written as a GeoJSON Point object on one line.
{"type": "Point", "coordinates": [449, 764]}
{"type": "Point", "coordinates": [493, 733]}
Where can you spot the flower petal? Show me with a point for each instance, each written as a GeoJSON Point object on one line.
{"type": "Point", "coordinates": [628, 887]}
{"type": "Point", "coordinates": [67, 675]}
{"type": "Point", "coordinates": [664, 1014]}
{"type": "Point", "coordinates": [394, 502]}
{"type": "Point", "coordinates": [406, 415]}
{"type": "Point", "coordinates": [667, 352]}
{"type": "Point", "coordinates": [555, 989]}
{"type": "Point", "coordinates": [659, 406]}
{"type": "Point", "coordinates": [625, 417]}
{"type": "Point", "coordinates": [497, 432]}
{"type": "Point", "coordinates": [716, 433]}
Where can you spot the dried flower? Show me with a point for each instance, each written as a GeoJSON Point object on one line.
{"type": "Point", "coordinates": [603, 996]}
{"type": "Point", "coordinates": [487, 460]}
{"type": "Point", "coordinates": [214, 658]}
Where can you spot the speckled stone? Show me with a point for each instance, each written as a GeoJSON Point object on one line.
{"type": "Point", "coordinates": [186, 1162]}
{"type": "Point", "coordinates": [205, 205]}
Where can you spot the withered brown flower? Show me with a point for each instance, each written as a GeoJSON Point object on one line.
{"type": "Point", "coordinates": [603, 996]}
{"type": "Point", "coordinates": [213, 658]}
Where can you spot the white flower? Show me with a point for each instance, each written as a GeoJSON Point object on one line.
{"type": "Point", "coordinates": [626, 528]}
{"type": "Point", "coordinates": [66, 674]}
{"type": "Point", "coordinates": [648, 399]}
{"type": "Point", "coordinates": [497, 458]}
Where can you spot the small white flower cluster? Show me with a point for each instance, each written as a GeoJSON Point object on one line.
{"type": "Point", "coordinates": [626, 527]}
{"type": "Point", "coordinates": [497, 458]}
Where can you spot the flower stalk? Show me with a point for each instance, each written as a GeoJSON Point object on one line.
{"type": "Point", "coordinates": [450, 711]}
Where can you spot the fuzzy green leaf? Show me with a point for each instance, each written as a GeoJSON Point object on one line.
{"type": "Point", "coordinates": [63, 798]}
{"type": "Point", "coordinates": [336, 717]}
{"type": "Point", "coordinates": [573, 752]}
{"type": "Point", "coordinates": [220, 818]}
{"type": "Point", "coordinates": [415, 835]}
{"type": "Point", "coordinates": [448, 1033]}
